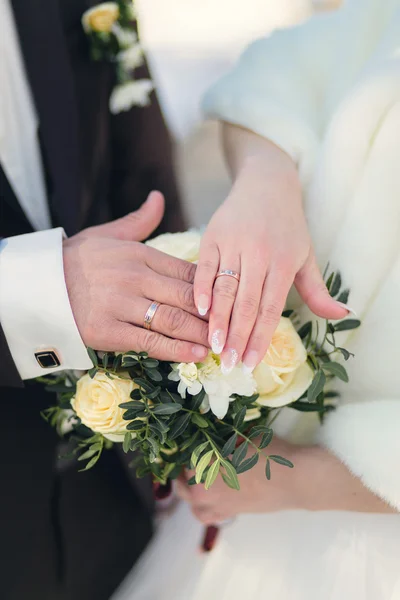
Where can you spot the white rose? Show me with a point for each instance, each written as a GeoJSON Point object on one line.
{"type": "Point", "coordinates": [97, 401]}
{"type": "Point", "coordinates": [185, 245]}
{"type": "Point", "coordinates": [100, 18]}
{"type": "Point", "coordinates": [187, 375]}
{"type": "Point", "coordinates": [283, 375]}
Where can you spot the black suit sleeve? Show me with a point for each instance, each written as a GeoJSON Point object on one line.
{"type": "Point", "coordinates": [9, 375]}
{"type": "Point", "coordinates": [143, 161]}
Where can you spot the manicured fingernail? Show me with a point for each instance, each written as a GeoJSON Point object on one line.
{"type": "Point", "coordinates": [217, 341]}
{"type": "Point", "coordinates": [229, 361]}
{"type": "Point", "coordinates": [347, 307]}
{"type": "Point", "coordinates": [250, 362]}
{"type": "Point", "coordinates": [203, 305]}
{"type": "Point", "coordinates": [199, 351]}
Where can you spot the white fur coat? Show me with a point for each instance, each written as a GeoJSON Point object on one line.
{"type": "Point", "coordinates": [328, 92]}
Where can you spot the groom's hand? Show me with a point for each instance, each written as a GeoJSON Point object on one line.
{"type": "Point", "coordinates": [112, 279]}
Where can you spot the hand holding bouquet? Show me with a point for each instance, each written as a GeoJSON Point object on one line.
{"type": "Point", "coordinates": [192, 415]}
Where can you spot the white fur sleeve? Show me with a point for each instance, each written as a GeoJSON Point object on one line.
{"type": "Point", "coordinates": [366, 438]}
{"type": "Point", "coordinates": [286, 86]}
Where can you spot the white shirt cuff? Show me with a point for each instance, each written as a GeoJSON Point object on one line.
{"type": "Point", "coordinates": [35, 312]}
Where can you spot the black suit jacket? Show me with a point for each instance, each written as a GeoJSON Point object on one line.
{"type": "Point", "coordinates": [68, 535]}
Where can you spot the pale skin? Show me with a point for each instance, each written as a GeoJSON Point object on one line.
{"type": "Point", "coordinates": [260, 231]}
{"type": "Point", "coordinates": [112, 278]}
{"type": "Point", "coordinates": [318, 481]}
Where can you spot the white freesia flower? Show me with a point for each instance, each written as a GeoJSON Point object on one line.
{"type": "Point", "coordinates": [219, 387]}
{"type": "Point", "coordinates": [126, 37]}
{"type": "Point", "coordinates": [133, 93]}
{"type": "Point", "coordinates": [187, 375]}
{"type": "Point", "coordinates": [185, 245]}
{"type": "Point", "coordinates": [132, 57]}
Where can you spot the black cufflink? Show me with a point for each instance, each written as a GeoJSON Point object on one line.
{"type": "Point", "coordinates": [47, 359]}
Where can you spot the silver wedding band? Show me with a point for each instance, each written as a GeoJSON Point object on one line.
{"type": "Point", "coordinates": [228, 273]}
{"type": "Point", "coordinates": [149, 316]}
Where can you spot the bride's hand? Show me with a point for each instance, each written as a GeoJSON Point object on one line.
{"type": "Point", "coordinates": [261, 233]}
{"type": "Point", "coordinates": [318, 481]}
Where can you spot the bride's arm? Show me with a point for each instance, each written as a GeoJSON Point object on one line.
{"type": "Point", "coordinates": [319, 481]}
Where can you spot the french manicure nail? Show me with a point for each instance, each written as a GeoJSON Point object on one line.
{"type": "Point", "coordinates": [203, 305]}
{"type": "Point", "coordinates": [199, 351]}
{"type": "Point", "coordinates": [347, 307]}
{"type": "Point", "coordinates": [217, 341]}
{"type": "Point", "coordinates": [250, 362]}
{"type": "Point", "coordinates": [229, 361]}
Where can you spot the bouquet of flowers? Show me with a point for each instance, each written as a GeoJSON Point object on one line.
{"type": "Point", "coordinates": [192, 415]}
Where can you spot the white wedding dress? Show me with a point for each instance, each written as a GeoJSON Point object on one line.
{"type": "Point", "coordinates": [336, 109]}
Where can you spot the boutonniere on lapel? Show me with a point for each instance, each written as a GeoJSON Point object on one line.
{"type": "Point", "coordinates": [112, 36]}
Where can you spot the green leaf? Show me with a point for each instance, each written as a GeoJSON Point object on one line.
{"type": "Point", "coordinates": [127, 442]}
{"type": "Point", "coordinates": [347, 325]}
{"type": "Point", "coordinates": [307, 407]}
{"type": "Point", "coordinates": [135, 425]}
{"type": "Point", "coordinates": [197, 400]}
{"type": "Point", "coordinates": [93, 356]}
{"type": "Point", "coordinates": [344, 296]}
{"type": "Point", "coordinates": [154, 374]}
{"type": "Point", "coordinates": [336, 369]}
{"type": "Point", "coordinates": [150, 363]}
{"type": "Point", "coordinates": [92, 372]}
{"type": "Point", "coordinates": [93, 449]}
{"type": "Point", "coordinates": [91, 463]}
{"type": "Point", "coordinates": [166, 409]}
{"type": "Point", "coordinates": [258, 430]}
{"type": "Point", "coordinates": [179, 426]}
{"type": "Point", "coordinates": [248, 464]}
{"type": "Point", "coordinates": [316, 387]}
{"type": "Point", "coordinates": [212, 474]}
{"type": "Point", "coordinates": [105, 360]}
{"type": "Point", "coordinates": [197, 419]}
{"type": "Point", "coordinates": [196, 453]}
{"type": "Point", "coordinates": [231, 478]}
{"type": "Point", "coordinates": [305, 330]}
{"type": "Point", "coordinates": [202, 464]}
{"type": "Point", "coordinates": [239, 418]}
{"type": "Point", "coordinates": [345, 353]}
{"type": "Point", "coordinates": [287, 313]}
{"type": "Point", "coordinates": [190, 441]}
{"type": "Point", "coordinates": [266, 439]}
{"type": "Point", "coordinates": [153, 395]}
{"type": "Point", "coordinates": [281, 461]}
{"type": "Point", "coordinates": [145, 385]}
{"type": "Point", "coordinates": [268, 470]}
{"type": "Point", "coordinates": [117, 362]}
{"type": "Point", "coordinates": [132, 405]}
{"type": "Point", "coordinates": [129, 361]}
{"type": "Point", "coordinates": [240, 453]}
{"type": "Point", "coordinates": [229, 446]}
{"type": "Point", "coordinates": [330, 280]}
{"type": "Point", "coordinates": [336, 285]}
{"type": "Point", "coordinates": [135, 395]}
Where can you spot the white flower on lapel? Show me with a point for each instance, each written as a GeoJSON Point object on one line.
{"type": "Point", "coordinates": [131, 58]}
{"type": "Point", "coordinates": [132, 93]}
{"type": "Point", "coordinates": [100, 18]}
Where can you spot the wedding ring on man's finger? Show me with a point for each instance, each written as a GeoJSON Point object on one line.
{"type": "Point", "coordinates": [228, 273]}
{"type": "Point", "coordinates": [149, 316]}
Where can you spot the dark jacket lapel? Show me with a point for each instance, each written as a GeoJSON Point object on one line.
{"type": "Point", "coordinates": [50, 76]}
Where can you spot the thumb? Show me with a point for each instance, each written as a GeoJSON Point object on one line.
{"type": "Point", "coordinates": [313, 291]}
{"type": "Point", "coordinates": [138, 225]}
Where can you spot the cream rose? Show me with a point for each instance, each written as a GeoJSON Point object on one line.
{"type": "Point", "coordinates": [185, 245]}
{"type": "Point", "coordinates": [283, 375]}
{"type": "Point", "coordinates": [101, 18]}
{"type": "Point", "coordinates": [97, 401]}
